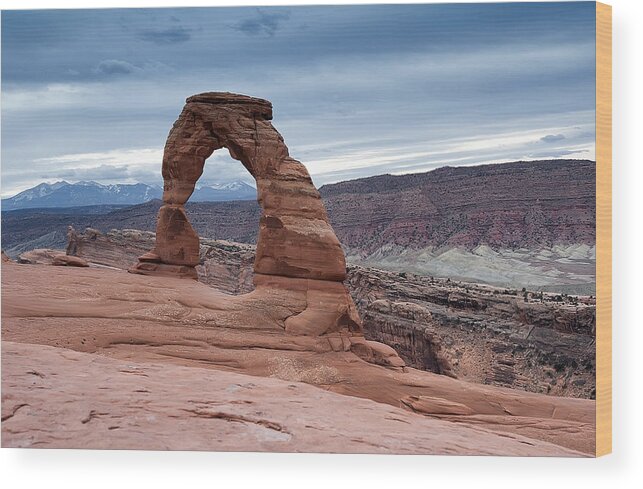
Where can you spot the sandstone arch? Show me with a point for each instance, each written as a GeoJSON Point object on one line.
{"type": "Point", "coordinates": [297, 249]}
{"type": "Point", "coordinates": [295, 238]}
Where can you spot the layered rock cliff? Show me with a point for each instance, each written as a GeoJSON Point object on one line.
{"type": "Point", "coordinates": [521, 339]}
{"type": "Point", "coordinates": [526, 204]}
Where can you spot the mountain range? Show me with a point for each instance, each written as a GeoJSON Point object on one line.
{"type": "Point", "coordinates": [64, 194]}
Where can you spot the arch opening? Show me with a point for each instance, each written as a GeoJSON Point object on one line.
{"type": "Point", "coordinates": [226, 183]}
{"type": "Point", "coordinates": [221, 172]}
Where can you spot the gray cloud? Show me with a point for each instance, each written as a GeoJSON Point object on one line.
{"type": "Point", "coordinates": [263, 23]}
{"type": "Point", "coordinates": [171, 35]}
{"type": "Point", "coordinates": [115, 67]}
{"type": "Point", "coordinates": [101, 172]}
{"type": "Point", "coordinates": [561, 153]}
{"type": "Point", "coordinates": [552, 138]}
{"type": "Point", "coordinates": [106, 174]}
{"type": "Point", "coordinates": [111, 67]}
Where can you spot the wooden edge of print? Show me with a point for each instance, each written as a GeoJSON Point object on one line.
{"type": "Point", "coordinates": [603, 229]}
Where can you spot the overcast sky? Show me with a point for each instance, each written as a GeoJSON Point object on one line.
{"type": "Point", "coordinates": [356, 90]}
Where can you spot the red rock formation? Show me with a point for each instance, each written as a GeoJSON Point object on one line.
{"type": "Point", "coordinates": [295, 238]}
{"type": "Point", "coordinates": [297, 250]}
{"type": "Point", "coordinates": [45, 256]}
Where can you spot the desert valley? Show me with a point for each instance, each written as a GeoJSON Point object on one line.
{"type": "Point", "coordinates": [448, 312]}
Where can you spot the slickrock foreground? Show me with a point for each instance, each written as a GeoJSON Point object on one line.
{"type": "Point", "coordinates": [175, 322]}
{"type": "Point", "coordinates": [63, 399]}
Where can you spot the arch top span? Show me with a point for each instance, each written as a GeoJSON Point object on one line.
{"type": "Point", "coordinates": [262, 107]}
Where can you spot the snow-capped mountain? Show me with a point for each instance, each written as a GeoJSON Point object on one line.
{"type": "Point", "coordinates": [84, 193]}
{"type": "Point", "coordinates": [64, 194]}
{"type": "Point", "coordinates": [38, 191]}
{"type": "Point", "coordinates": [224, 191]}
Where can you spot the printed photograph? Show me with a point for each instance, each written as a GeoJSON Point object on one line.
{"type": "Point", "coordinates": [329, 229]}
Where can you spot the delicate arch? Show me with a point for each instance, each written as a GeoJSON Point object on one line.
{"type": "Point", "coordinates": [295, 238]}
{"type": "Point", "coordinates": [299, 265]}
